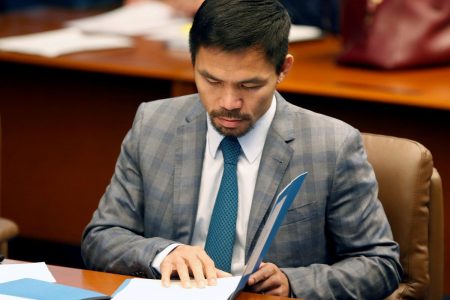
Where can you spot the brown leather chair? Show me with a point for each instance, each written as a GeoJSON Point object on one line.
{"type": "Point", "coordinates": [410, 190]}
{"type": "Point", "coordinates": [8, 229]}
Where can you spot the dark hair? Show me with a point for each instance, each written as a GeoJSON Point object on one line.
{"type": "Point", "coordinates": [233, 25]}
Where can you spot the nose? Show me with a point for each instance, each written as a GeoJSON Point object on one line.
{"type": "Point", "coordinates": [231, 99]}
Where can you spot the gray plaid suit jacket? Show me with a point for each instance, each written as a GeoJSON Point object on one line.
{"type": "Point", "coordinates": [335, 242]}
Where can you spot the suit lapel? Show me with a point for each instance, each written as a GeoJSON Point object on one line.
{"type": "Point", "coordinates": [190, 148]}
{"type": "Point", "coordinates": [274, 161]}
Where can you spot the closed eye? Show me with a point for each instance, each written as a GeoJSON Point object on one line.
{"type": "Point", "coordinates": [250, 86]}
{"type": "Point", "coordinates": [212, 81]}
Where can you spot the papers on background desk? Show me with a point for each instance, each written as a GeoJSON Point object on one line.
{"type": "Point", "coordinates": [9, 272]}
{"type": "Point", "coordinates": [132, 20]}
{"type": "Point", "coordinates": [300, 33]}
{"type": "Point", "coordinates": [158, 21]}
{"type": "Point", "coordinates": [63, 41]}
{"type": "Point", "coordinates": [152, 19]}
{"type": "Point", "coordinates": [176, 34]}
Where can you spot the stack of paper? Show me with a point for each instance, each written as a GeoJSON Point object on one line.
{"type": "Point", "coordinates": [9, 272]}
{"type": "Point", "coordinates": [63, 41]}
{"type": "Point", "coordinates": [132, 20]}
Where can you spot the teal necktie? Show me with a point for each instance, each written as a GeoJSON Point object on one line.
{"type": "Point", "coordinates": [222, 228]}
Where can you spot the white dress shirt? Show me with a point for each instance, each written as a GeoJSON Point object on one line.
{"type": "Point", "coordinates": [252, 145]}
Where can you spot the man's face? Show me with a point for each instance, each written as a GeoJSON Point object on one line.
{"type": "Point", "coordinates": [236, 88]}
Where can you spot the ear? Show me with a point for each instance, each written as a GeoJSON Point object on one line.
{"type": "Point", "coordinates": [286, 67]}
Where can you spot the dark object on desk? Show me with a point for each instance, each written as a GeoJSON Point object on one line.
{"type": "Point", "coordinates": [395, 34]}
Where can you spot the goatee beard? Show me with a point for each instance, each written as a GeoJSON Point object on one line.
{"type": "Point", "coordinates": [231, 114]}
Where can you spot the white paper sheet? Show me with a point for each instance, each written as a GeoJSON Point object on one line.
{"type": "Point", "coordinates": [144, 289]}
{"type": "Point", "coordinates": [176, 34]}
{"type": "Point", "coordinates": [9, 272]}
{"type": "Point", "coordinates": [301, 33]}
{"type": "Point", "coordinates": [132, 20]}
{"type": "Point", "coordinates": [63, 41]}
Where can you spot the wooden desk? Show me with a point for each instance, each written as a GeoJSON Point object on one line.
{"type": "Point", "coordinates": [64, 118]}
{"type": "Point", "coordinates": [107, 283]}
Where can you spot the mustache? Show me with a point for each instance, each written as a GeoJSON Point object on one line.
{"type": "Point", "coordinates": [229, 114]}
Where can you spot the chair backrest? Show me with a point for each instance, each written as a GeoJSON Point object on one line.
{"type": "Point", "coordinates": [410, 190]}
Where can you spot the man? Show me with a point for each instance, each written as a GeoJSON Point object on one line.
{"type": "Point", "coordinates": [158, 215]}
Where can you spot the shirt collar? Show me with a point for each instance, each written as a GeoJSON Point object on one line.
{"type": "Point", "coordinates": [252, 143]}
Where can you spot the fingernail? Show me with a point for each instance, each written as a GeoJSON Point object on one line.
{"type": "Point", "coordinates": [212, 281]}
{"type": "Point", "coordinates": [201, 284]}
{"type": "Point", "coordinates": [187, 285]}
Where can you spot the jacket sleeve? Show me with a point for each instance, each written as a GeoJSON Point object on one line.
{"type": "Point", "coordinates": [366, 257]}
{"type": "Point", "coordinates": [114, 239]}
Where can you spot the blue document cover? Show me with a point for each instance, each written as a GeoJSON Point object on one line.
{"type": "Point", "coordinates": [43, 290]}
{"type": "Point", "coordinates": [270, 229]}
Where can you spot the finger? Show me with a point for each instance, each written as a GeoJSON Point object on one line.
{"type": "Point", "coordinates": [197, 270]}
{"type": "Point", "coordinates": [211, 275]}
{"type": "Point", "coordinates": [166, 272]}
{"type": "Point", "coordinates": [222, 274]}
{"type": "Point", "coordinates": [183, 273]}
{"type": "Point", "coordinates": [265, 285]}
{"type": "Point", "coordinates": [208, 267]}
{"type": "Point", "coordinates": [276, 284]}
{"type": "Point", "coordinates": [264, 272]}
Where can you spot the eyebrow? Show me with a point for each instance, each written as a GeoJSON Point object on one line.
{"type": "Point", "coordinates": [253, 80]}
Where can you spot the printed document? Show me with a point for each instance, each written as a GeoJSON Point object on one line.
{"type": "Point", "coordinates": [39, 270]}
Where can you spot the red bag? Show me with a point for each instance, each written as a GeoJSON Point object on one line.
{"type": "Point", "coordinates": [394, 34]}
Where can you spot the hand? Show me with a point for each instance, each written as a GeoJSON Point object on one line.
{"type": "Point", "coordinates": [269, 279]}
{"type": "Point", "coordinates": [187, 260]}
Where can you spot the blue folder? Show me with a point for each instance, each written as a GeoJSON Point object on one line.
{"type": "Point", "coordinates": [43, 290]}
{"type": "Point", "coordinates": [270, 229]}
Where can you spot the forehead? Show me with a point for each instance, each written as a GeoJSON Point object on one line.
{"type": "Point", "coordinates": [248, 60]}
